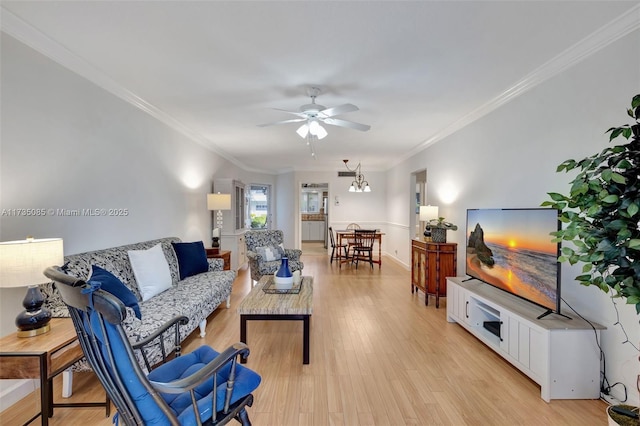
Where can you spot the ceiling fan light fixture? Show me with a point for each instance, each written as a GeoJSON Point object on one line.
{"type": "Point", "coordinates": [367, 188]}
{"type": "Point", "coordinates": [314, 116]}
{"type": "Point", "coordinates": [321, 133]}
{"type": "Point", "coordinates": [352, 188]}
{"type": "Point", "coordinates": [303, 130]}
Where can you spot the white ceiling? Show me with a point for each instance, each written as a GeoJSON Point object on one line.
{"type": "Point", "coordinates": [418, 70]}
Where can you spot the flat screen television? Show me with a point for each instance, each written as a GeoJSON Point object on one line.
{"type": "Point", "coordinates": [511, 249]}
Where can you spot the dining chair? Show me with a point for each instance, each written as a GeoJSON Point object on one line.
{"type": "Point", "coordinates": [363, 247]}
{"type": "Point", "coordinates": [351, 240]}
{"type": "Point", "coordinates": [342, 246]}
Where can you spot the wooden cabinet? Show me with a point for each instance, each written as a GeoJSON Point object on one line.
{"type": "Point", "coordinates": [560, 354]}
{"type": "Point", "coordinates": [419, 267]}
{"type": "Point", "coordinates": [431, 264]}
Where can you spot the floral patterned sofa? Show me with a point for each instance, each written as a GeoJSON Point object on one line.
{"type": "Point", "coordinates": [258, 241]}
{"type": "Point", "coordinates": [195, 297]}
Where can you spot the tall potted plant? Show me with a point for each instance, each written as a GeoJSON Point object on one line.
{"type": "Point", "coordinates": [601, 215]}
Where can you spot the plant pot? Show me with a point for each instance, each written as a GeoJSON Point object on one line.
{"type": "Point", "coordinates": [615, 419]}
{"type": "Point", "coordinates": [438, 235]}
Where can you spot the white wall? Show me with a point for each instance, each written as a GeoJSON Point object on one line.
{"type": "Point", "coordinates": [67, 144]}
{"type": "Point", "coordinates": [508, 159]}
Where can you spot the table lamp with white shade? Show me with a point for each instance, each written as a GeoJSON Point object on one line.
{"type": "Point", "coordinates": [21, 265]}
{"type": "Point", "coordinates": [428, 213]}
{"type": "Point", "coordinates": [218, 202]}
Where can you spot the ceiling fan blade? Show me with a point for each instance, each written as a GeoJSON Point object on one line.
{"type": "Point", "coordinates": [298, 113]}
{"type": "Point", "coordinates": [345, 123]}
{"type": "Point", "coordinates": [293, 120]}
{"type": "Point", "coordinates": [340, 109]}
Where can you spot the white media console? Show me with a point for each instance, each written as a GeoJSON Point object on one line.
{"type": "Point", "coordinates": [559, 354]}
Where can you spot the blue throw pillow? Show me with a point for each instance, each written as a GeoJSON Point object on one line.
{"type": "Point", "coordinates": [111, 284]}
{"type": "Point", "coordinates": [192, 258]}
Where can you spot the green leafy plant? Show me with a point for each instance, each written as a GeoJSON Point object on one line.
{"type": "Point", "coordinates": [601, 214]}
{"type": "Point", "coordinates": [258, 222]}
{"type": "Point", "coordinates": [440, 223]}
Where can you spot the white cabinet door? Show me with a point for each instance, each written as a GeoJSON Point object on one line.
{"type": "Point", "coordinates": [312, 230]}
{"type": "Point", "coordinates": [463, 305]}
{"type": "Point", "coordinates": [242, 251]}
{"type": "Point", "coordinates": [457, 308]}
{"type": "Point", "coordinates": [306, 230]}
{"type": "Point", "coordinates": [235, 243]}
{"type": "Point", "coordinates": [316, 230]}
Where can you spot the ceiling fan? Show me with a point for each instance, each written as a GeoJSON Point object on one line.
{"type": "Point", "coordinates": [313, 114]}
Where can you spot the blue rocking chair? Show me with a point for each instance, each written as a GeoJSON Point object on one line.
{"type": "Point", "coordinates": [202, 387]}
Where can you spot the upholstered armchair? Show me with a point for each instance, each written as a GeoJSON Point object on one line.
{"type": "Point", "coordinates": [265, 248]}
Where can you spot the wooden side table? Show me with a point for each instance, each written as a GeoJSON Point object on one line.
{"type": "Point", "coordinates": [43, 357]}
{"type": "Point", "coordinates": [220, 254]}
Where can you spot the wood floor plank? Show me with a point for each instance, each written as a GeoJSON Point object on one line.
{"type": "Point", "coordinates": [379, 356]}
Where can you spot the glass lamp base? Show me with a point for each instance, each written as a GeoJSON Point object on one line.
{"type": "Point", "coordinates": [35, 332]}
{"type": "Point", "coordinates": [34, 320]}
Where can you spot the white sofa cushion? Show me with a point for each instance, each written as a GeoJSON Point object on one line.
{"type": "Point", "coordinates": [151, 270]}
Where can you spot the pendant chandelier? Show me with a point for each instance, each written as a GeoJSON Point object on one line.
{"type": "Point", "coordinates": [359, 184]}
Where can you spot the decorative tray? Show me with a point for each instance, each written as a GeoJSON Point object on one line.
{"type": "Point", "coordinates": [270, 287]}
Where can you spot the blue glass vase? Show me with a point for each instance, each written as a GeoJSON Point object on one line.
{"type": "Point", "coordinates": [283, 277]}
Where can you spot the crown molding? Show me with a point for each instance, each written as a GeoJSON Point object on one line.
{"type": "Point", "coordinates": [599, 39]}
{"type": "Point", "coordinates": [609, 33]}
{"type": "Point", "coordinates": [32, 37]}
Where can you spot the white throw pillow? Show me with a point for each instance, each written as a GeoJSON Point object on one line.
{"type": "Point", "coordinates": [151, 270]}
{"type": "Point", "coordinates": [270, 253]}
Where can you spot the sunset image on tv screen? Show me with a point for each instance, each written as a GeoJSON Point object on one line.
{"type": "Point", "coordinates": [512, 250]}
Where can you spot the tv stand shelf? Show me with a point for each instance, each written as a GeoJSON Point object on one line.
{"type": "Point", "coordinates": [560, 354]}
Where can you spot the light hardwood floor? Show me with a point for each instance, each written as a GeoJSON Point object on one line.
{"type": "Point", "coordinates": [378, 357]}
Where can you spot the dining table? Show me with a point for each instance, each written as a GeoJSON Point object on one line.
{"type": "Point", "coordinates": [349, 234]}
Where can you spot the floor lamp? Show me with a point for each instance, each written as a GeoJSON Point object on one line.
{"type": "Point", "coordinates": [21, 265]}
{"type": "Point", "coordinates": [218, 202]}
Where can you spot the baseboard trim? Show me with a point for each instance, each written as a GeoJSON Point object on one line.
{"type": "Point", "coordinates": [12, 391]}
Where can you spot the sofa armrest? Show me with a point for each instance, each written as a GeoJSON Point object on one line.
{"type": "Point", "coordinates": [252, 255]}
{"type": "Point", "coordinates": [293, 254]}
{"type": "Point", "coordinates": [215, 264]}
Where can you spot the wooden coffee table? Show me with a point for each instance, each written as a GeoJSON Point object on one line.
{"type": "Point", "coordinates": [258, 305]}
